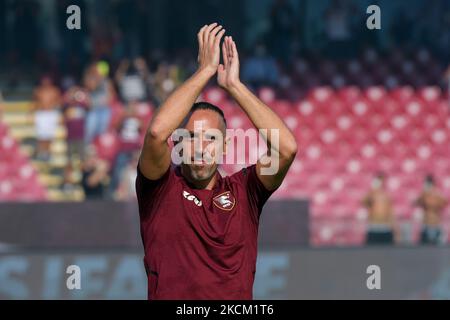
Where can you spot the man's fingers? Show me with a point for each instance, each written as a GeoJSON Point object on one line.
{"type": "Point", "coordinates": [213, 34]}
{"type": "Point", "coordinates": [200, 41]}
{"type": "Point", "coordinates": [229, 49]}
{"type": "Point", "coordinates": [224, 52]}
{"type": "Point", "coordinates": [225, 49]}
{"type": "Point", "coordinates": [200, 36]}
{"type": "Point", "coordinates": [218, 38]}
{"type": "Point", "coordinates": [234, 49]}
{"type": "Point", "coordinates": [207, 32]}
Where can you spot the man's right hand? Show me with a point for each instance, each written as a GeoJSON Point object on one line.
{"type": "Point", "coordinates": [209, 38]}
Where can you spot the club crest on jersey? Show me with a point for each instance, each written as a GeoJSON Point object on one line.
{"type": "Point", "coordinates": [193, 198]}
{"type": "Point", "coordinates": [225, 201]}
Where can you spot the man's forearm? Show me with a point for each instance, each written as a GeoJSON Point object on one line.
{"type": "Point", "coordinates": [264, 118]}
{"type": "Point", "coordinates": [177, 106]}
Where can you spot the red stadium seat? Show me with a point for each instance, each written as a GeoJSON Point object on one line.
{"type": "Point", "coordinates": [321, 95]}
{"type": "Point", "coordinates": [18, 178]}
{"type": "Point", "coordinates": [267, 95]}
{"type": "Point", "coordinates": [3, 130]}
{"type": "Point", "coordinates": [403, 94]}
{"type": "Point", "coordinates": [214, 95]}
{"type": "Point", "coordinates": [282, 107]}
{"type": "Point", "coordinates": [430, 94]}
{"type": "Point", "coordinates": [349, 94]}
{"type": "Point", "coordinates": [375, 94]}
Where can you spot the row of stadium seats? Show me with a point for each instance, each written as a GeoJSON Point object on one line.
{"type": "Point", "coordinates": [371, 68]}
{"type": "Point", "coordinates": [18, 178]}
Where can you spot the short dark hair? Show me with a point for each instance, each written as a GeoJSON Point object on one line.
{"type": "Point", "coordinates": [207, 106]}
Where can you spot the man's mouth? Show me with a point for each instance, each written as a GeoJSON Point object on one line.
{"type": "Point", "coordinates": [198, 162]}
{"type": "Point", "coordinates": [201, 161]}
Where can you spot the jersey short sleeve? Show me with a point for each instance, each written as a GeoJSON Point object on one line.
{"type": "Point", "coordinates": [149, 192]}
{"type": "Point", "coordinates": [257, 193]}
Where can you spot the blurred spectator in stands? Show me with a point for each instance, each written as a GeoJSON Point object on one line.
{"type": "Point", "coordinates": [130, 132]}
{"type": "Point", "coordinates": [70, 180]}
{"type": "Point", "coordinates": [432, 203]}
{"type": "Point", "coordinates": [282, 30]}
{"type": "Point", "coordinates": [132, 80]}
{"type": "Point", "coordinates": [380, 229]}
{"type": "Point", "coordinates": [260, 69]}
{"type": "Point", "coordinates": [338, 28]}
{"type": "Point", "coordinates": [94, 174]}
{"type": "Point", "coordinates": [126, 189]}
{"type": "Point", "coordinates": [47, 99]}
{"type": "Point", "coordinates": [101, 94]}
{"type": "Point", "coordinates": [76, 104]}
{"type": "Point", "coordinates": [164, 81]}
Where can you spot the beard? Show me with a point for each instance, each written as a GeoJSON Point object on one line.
{"type": "Point", "coordinates": [201, 172]}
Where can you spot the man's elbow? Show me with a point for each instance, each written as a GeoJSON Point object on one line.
{"type": "Point", "coordinates": [290, 150]}
{"type": "Point", "coordinates": [155, 132]}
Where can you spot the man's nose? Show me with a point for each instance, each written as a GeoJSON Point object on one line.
{"type": "Point", "coordinates": [201, 145]}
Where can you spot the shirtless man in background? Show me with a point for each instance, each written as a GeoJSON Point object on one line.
{"type": "Point", "coordinates": [380, 228]}
{"type": "Point", "coordinates": [432, 203]}
{"type": "Point", "coordinates": [47, 99]}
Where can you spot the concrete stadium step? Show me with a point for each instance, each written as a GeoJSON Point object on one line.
{"type": "Point", "coordinates": [19, 106]}
{"type": "Point", "coordinates": [58, 195]}
{"type": "Point", "coordinates": [57, 148]}
{"type": "Point", "coordinates": [60, 161]}
{"type": "Point", "coordinates": [50, 180]}
{"type": "Point", "coordinates": [18, 118]}
{"type": "Point", "coordinates": [23, 132]}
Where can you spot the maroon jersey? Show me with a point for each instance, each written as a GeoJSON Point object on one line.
{"type": "Point", "coordinates": [200, 244]}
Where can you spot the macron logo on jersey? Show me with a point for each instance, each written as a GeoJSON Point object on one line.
{"type": "Point", "coordinates": [191, 197]}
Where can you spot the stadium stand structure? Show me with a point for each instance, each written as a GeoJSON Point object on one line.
{"type": "Point", "coordinates": [18, 178]}
{"type": "Point", "coordinates": [345, 136]}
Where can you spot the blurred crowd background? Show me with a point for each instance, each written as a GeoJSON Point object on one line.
{"type": "Point", "coordinates": [370, 108]}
